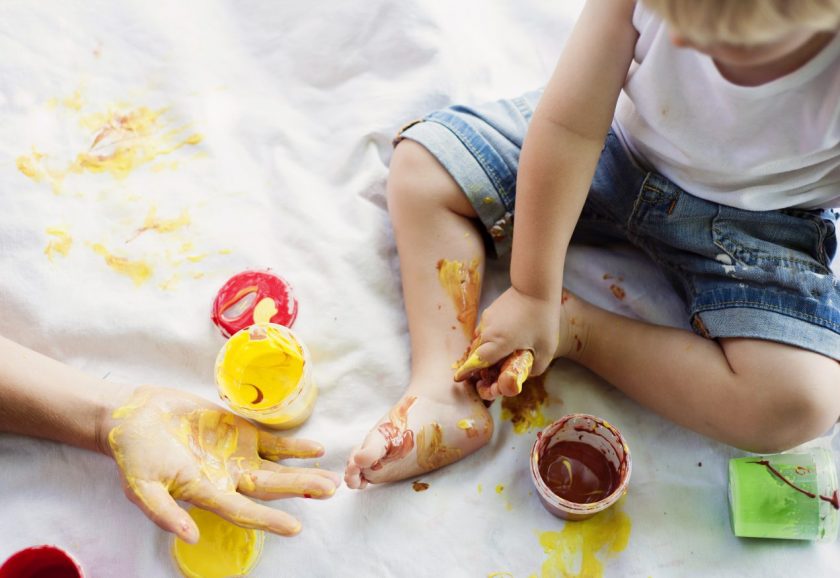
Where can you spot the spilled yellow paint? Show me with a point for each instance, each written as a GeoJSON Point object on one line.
{"type": "Point", "coordinates": [580, 548]}
{"type": "Point", "coordinates": [480, 488]}
{"type": "Point", "coordinates": [154, 223]}
{"type": "Point", "coordinates": [60, 243]}
{"type": "Point", "coordinates": [525, 411]}
{"type": "Point", "coordinates": [500, 488]}
{"type": "Point", "coordinates": [171, 283]}
{"type": "Point", "coordinates": [123, 139]}
{"type": "Point", "coordinates": [139, 271]}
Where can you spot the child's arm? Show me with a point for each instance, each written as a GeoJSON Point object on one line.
{"type": "Point", "coordinates": [152, 434]}
{"type": "Point", "coordinates": [558, 161]}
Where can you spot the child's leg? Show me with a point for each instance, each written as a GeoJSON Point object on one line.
{"type": "Point", "coordinates": [437, 421]}
{"type": "Point", "coordinates": [757, 395]}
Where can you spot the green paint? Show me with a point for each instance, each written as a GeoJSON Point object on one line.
{"type": "Point", "coordinates": [763, 506]}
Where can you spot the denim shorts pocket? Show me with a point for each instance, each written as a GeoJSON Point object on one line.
{"type": "Point", "coordinates": [773, 239]}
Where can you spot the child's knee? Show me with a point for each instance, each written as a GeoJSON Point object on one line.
{"type": "Point", "coordinates": [795, 415]}
{"type": "Point", "coordinates": [418, 182]}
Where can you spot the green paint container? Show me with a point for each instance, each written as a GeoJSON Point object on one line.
{"type": "Point", "coordinates": [763, 505]}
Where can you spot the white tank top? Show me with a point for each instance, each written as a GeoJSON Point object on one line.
{"type": "Point", "coordinates": [764, 147]}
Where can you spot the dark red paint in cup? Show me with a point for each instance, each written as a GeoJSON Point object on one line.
{"type": "Point", "coordinates": [41, 562]}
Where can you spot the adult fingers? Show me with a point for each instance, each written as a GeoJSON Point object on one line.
{"type": "Point", "coordinates": [281, 469]}
{"type": "Point", "coordinates": [240, 510]}
{"type": "Point", "coordinates": [275, 447]}
{"type": "Point", "coordinates": [161, 508]}
{"type": "Point", "coordinates": [268, 485]}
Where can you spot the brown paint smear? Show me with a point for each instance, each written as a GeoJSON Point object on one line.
{"type": "Point", "coordinates": [419, 486]}
{"type": "Point", "coordinates": [834, 499]}
{"type": "Point", "coordinates": [431, 451]}
{"type": "Point", "coordinates": [399, 440]}
{"type": "Point", "coordinates": [463, 285]}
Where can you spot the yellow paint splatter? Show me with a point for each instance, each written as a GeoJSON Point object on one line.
{"type": "Point", "coordinates": [139, 271]}
{"type": "Point", "coordinates": [171, 283]}
{"type": "Point", "coordinates": [153, 223]}
{"type": "Point", "coordinates": [60, 243]}
{"type": "Point", "coordinates": [265, 310]}
{"type": "Point", "coordinates": [500, 488]}
{"type": "Point", "coordinates": [500, 575]}
{"type": "Point", "coordinates": [524, 411]}
{"type": "Point", "coordinates": [480, 488]}
{"type": "Point", "coordinates": [580, 548]}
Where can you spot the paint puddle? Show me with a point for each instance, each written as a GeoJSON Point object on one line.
{"type": "Point", "coordinates": [580, 549]}
{"type": "Point", "coordinates": [525, 411]}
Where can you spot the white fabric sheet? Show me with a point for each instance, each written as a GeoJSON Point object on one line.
{"type": "Point", "coordinates": [296, 104]}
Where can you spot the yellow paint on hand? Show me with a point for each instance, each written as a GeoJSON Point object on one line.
{"type": "Point", "coordinates": [223, 549]}
{"type": "Point", "coordinates": [580, 548]}
{"type": "Point", "coordinates": [60, 244]}
{"type": "Point", "coordinates": [265, 310]}
{"type": "Point", "coordinates": [139, 271]}
{"type": "Point", "coordinates": [463, 285]}
{"type": "Point", "coordinates": [260, 368]}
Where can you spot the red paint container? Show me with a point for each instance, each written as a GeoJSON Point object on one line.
{"type": "Point", "coordinates": [580, 466]}
{"type": "Point", "coordinates": [253, 297]}
{"type": "Point", "coordinates": [41, 562]}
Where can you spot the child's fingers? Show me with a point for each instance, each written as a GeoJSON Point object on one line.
{"type": "Point", "coordinates": [484, 356]}
{"type": "Point", "coordinates": [161, 508]}
{"type": "Point", "coordinates": [275, 447]}
{"type": "Point", "coordinates": [515, 370]}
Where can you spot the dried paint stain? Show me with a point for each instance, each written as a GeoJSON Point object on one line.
{"type": "Point", "coordinates": [60, 243]}
{"type": "Point", "coordinates": [138, 271]}
{"type": "Point", "coordinates": [419, 486]}
{"type": "Point", "coordinates": [580, 548]}
{"type": "Point", "coordinates": [524, 411]}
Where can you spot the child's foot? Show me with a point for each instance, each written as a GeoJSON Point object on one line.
{"type": "Point", "coordinates": [422, 432]}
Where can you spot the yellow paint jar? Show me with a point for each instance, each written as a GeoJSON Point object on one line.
{"type": "Point", "coordinates": [265, 374]}
{"type": "Point", "coordinates": [224, 550]}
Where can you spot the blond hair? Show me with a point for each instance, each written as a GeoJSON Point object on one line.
{"type": "Point", "coordinates": [745, 21]}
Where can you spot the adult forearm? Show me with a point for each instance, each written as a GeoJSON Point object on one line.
{"type": "Point", "coordinates": [556, 169]}
{"type": "Point", "coordinates": [44, 398]}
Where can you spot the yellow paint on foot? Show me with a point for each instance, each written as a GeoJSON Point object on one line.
{"type": "Point", "coordinates": [432, 453]}
{"type": "Point", "coordinates": [580, 548]}
{"type": "Point", "coordinates": [223, 549]}
{"type": "Point", "coordinates": [139, 271]}
{"type": "Point", "coordinates": [525, 411]}
{"type": "Point", "coordinates": [60, 243]}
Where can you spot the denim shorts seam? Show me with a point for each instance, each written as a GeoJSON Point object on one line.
{"type": "Point", "coordinates": [487, 166]}
{"type": "Point", "coordinates": [768, 307]}
{"type": "Point", "coordinates": [812, 264]}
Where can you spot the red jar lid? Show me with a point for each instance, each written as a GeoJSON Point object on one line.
{"type": "Point", "coordinates": [253, 297]}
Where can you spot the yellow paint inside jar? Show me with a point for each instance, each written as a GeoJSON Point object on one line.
{"type": "Point", "coordinates": [223, 549]}
{"type": "Point", "coordinates": [260, 367]}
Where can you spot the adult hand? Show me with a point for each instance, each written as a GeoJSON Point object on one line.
{"type": "Point", "coordinates": [516, 337]}
{"type": "Point", "coordinates": [170, 445]}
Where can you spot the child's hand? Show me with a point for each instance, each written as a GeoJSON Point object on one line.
{"type": "Point", "coordinates": [517, 337]}
{"type": "Point", "coordinates": [170, 445]}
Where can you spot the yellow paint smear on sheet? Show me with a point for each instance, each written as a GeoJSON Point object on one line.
{"type": "Point", "coordinates": [122, 139]}
{"type": "Point", "coordinates": [525, 411]}
{"type": "Point", "coordinates": [60, 243]}
{"type": "Point", "coordinates": [223, 549]}
{"type": "Point", "coordinates": [154, 223]}
{"type": "Point", "coordinates": [580, 548]}
{"type": "Point", "coordinates": [261, 367]}
{"type": "Point", "coordinates": [463, 286]}
{"type": "Point", "coordinates": [139, 271]}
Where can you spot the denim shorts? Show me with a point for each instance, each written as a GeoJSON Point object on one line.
{"type": "Point", "coordinates": [755, 274]}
